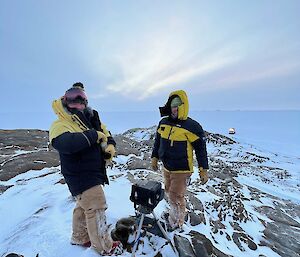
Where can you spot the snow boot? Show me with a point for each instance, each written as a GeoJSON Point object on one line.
{"type": "Point", "coordinates": [117, 249]}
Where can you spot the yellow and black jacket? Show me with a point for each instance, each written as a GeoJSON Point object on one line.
{"type": "Point", "coordinates": [177, 138]}
{"type": "Point", "coordinates": [75, 137]}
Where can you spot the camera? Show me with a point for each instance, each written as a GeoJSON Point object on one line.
{"type": "Point", "coordinates": [146, 194]}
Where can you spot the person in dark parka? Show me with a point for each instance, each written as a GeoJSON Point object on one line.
{"type": "Point", "coordinates": [177, 137]}
{"type": "Point", "coordinates": [84, 144]}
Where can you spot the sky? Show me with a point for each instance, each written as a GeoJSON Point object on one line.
{"type": "Point", "coordinates": [227, 55]}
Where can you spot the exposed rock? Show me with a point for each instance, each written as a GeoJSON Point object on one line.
{"type": "Point", "coordinates": [251, 244]}
{"type": "Point", "coordinates": [203, 246]}
{"type": "Point", "coordinates": [184, 247]}
{"type": "Point", "coordinates": [135, 163]}
{"type": "Point", "coordinates": [4, 188]}
{"type": "Point", "coordinates": [61, 181]}
{"type": "Point", "coordinates": [216, 225]}
{"type": "Point", "coordinates": [196, 210]}
{"type": "Point", "coordinates": [236, 226]}
{"type": "Point", "coordinates": [228, 237]}
{"type": "Point", "coordinates": [239, 236]}
{"type": "Point", "coordinates": [22, 150]}
{"type": "Point", "coordinates": [194, 203]}
{"type": "Point", "coordinates": [126, 146]}
{"type": "Point", "coordinates": [23, 139]}
{"type": "Point", "coordinates": [29, 161]}
{"type": "Point", "coordinates": [235, 237]}
{"type": "Point", "coordinates": [195, 219]}
{"type": "Point", "coordinates": [278, 215]}
{"type": "Point", "coordinates": [282, 238]}
{"type": "Point", "coordinates": [218, 139]}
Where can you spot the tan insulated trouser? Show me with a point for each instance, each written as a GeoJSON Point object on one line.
{"type": "Point", "coordinates": [89, 220]}
{"type": "Point", "coordinates": [175, 187]}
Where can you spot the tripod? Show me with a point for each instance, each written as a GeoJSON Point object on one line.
{"type": "Point", "coordinates": [145, 210]}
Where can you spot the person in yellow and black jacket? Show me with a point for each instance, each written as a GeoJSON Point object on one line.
{"type": "Point", "coordinates": [177, 137]}
{"type": "Point", "coordinates": [84, 144]}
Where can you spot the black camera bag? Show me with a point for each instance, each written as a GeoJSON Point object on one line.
{"type": "Point", "coordinates": [147, 193]}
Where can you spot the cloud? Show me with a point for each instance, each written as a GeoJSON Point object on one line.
{"type": "Point", "coordinates": [187, 73]}
{"type": "Point", "coordinates": [154, 59]}
{"type": "Point", "coordinates": [257, 72]}
{"type": "Point", "coordinates": [151, 60]}
{"type": "Point", "coordinates": [164, 63]}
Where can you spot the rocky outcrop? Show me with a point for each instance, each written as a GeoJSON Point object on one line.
{"type": "Point", "coordinates": [227, 211]}
{"type": "Point", "coordinates": [282, 234]}
{"type": "Point", "coordinates": [23, 150]}
{"type": "Point", "coordinates": [224, 213]}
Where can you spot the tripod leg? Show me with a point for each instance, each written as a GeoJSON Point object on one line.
{"type": "Point", "coordinates": [136, 243]}
{"type": "Point", "coordinates": [165, 234]}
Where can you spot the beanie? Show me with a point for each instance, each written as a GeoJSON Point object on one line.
{"type": "Point", "coordinates": [176, 102]}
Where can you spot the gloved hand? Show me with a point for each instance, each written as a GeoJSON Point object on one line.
{"type": "Point", "coordinates": [154, 163]}
{"type": "Point", "coordinates": [203, 175]}
{"type": "Point", "coordinates": [110, 150]}
{"type": "Point", "coordinates": [101, 137]}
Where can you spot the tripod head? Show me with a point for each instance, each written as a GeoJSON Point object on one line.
{"type": "Point", "coordinates": [143, 209]}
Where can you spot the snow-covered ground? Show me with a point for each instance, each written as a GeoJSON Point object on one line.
{"type": "Point", "coordinates": [36, 217]}
{"type": "Point", "coordinates": [36, 211]}
{"type": "Point", "coordinates": [36, 214]}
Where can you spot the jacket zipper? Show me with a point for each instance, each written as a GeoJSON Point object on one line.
{"type": "Point", "coordinates": [170, 135]}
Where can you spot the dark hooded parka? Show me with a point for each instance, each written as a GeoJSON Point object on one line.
{"type": "Point", "coordinates": [75, 137]}
{"type": "Point", "coordinates": [177, 138]}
